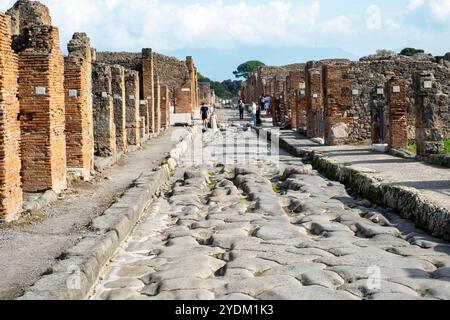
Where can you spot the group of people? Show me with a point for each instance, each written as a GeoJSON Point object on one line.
{"type": "Point", "coordinates": [256, 109]}
{"type": "Point", "coordinates": [209, 118]}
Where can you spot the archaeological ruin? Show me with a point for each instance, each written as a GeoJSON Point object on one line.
{"type": "Point", "coordinates": [389, 101]}
{"type": "Point", "coordinates": [59, 114]}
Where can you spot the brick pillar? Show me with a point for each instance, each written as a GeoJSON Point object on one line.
{"type": "Point", "coordinates": [10, 183]}
{"type": "Point", "coordinates": [314, 98]}
{"type": "Point", "coordinates": [431, 106]}
{"type": "Point", "coordinates": [148, 87]}
{"type": "Point", "coordinates": [293, 86]}
{"type": "Point", "coordinates": [165, 107]}
{"type": "Point", "coordinates": [157, 103]}
{"type": "Point", "coordinates": [42, 107]}
{"type": "Point", "coordinates": [301, 108]}
{"type": "Point", "coordinates": [104, 127]}
{"type": "Point", "coordinates": [120, 121]}
{"type": "Point", "coordinates": [192, 85]}
{"type": "Point", "coordinates": [338, 100]}
{"type": "Point", "coordinates": [398, 113]}
{"type": "Point", "coordinates": [132, 107]}
{"type": "Point", "coordinates": [79, 114]}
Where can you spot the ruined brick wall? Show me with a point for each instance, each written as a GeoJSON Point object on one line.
{"type": "Point", "coordinates": [42, 106]}
{"type": "Point", "coordinates": [172, 72]}
{"type": "Point", "coordinates": [26, 13]}
{"type": "Point", "coordinates": [132, 107]}
{"type": "Point", "coordinates": [118, 93]}
{"type": "Point", "coordinates": [148, 87]}
{"type": "Point", "coordinates": [205, 94]}
{"type": "Point", "coordinates": [165, 106]}
{"type": "Point", "coordinates": [128, 60]}
{"type": "Point", "coordinates": [104, 127]}
{"type": "Point", "coordinates": [79, 112]}
{"type": "Point", "coordinates": [314, 99]}
{"type": "Point", "coordinates": [341, 118]}
{"type": "Point", "coordinates": [432, 92]}
{"type": "Point", "coordinates": [398, 112]}
{"type": "Point", "coordinates": [157, 102]}
{"type": "Point", "coordinates": [11, 198]}
{"type": "Point", "coordinates": [293, 81]}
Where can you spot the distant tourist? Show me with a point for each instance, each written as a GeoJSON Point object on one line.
{"type": "Point", "coordinates": [254, 114]}
{"type": "Point", "coordinates": [241, 109]}
{"type": "Point", "coordinates": [267, 104]}
{"type": "Point", "coordinates": [204, 110]}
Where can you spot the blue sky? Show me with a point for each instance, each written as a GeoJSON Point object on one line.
{"type": "Point", "coordinates": [220, 34]}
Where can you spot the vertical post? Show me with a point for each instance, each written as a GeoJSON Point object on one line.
{"type": "Point", "coordinates": [398, 113]}
{"type": "Point", "coordinates": [11, 197]}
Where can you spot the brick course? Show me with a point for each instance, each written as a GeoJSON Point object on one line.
{"type": "Point", "coordinates": [42, 107]}
{"type": "Point", "coordinates": [11, 198]}
{"type": "Point", "coordinates": [79, 112]}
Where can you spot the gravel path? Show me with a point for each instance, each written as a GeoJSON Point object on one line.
{"type": "Point", "coordinates": [250, 225]}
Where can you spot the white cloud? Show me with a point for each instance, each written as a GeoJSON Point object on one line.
{"type": "Point", "coordinates": [131, 24]}
{"type": "Point", "coordinates": [340, 25]}
{"type": "Point", "coordinates": [440, 9]}
{"type": "Point", "coordinates": [414, 4]}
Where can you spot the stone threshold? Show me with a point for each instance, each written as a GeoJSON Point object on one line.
{"type": "Point", "coordinates": [77, 271]}
{"type": "Point", "coordinates": [409, 203]}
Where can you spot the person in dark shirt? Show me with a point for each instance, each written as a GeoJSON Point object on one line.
{"type": "Point", "coordinates": [204, 110]}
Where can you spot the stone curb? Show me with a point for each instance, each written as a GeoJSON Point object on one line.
{"type": "Point", "coordinates": [408, 202]}
{"type": "Point", "coordinates": [75, 274]}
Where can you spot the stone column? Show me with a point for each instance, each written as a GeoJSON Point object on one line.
{"type": "Point", "coordinates": [79, 112]}
{"type": "Point", "coordinates": [301, 108]}
{"type": "Point", "coordinates": [165, 107]}
{"type": "Point", "coordinates": [157, 103]}
{"type": "Point", "coordinates": [104, 127]}
{"type": "Point", "coordinates": [132, 107]}
{"type": "Point", "coordinates": [42, 107]}
{"type": "Point", "coordinates": [10, 182]}
{"type": "Point", "coordinates": [118, 92]}
{"type": "Point", "coordinates": [398, 113]}
{"type": "Point", "coordinates": [431, 113]}
{"type": "Point", "coordinates": [148, 87]}
{"type": "Point", "coordinates": [337, 102]}
{"type": "Point", "coordinates": [314, 98]}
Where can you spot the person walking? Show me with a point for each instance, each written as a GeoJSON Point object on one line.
{"type": "Point", "coordinates": [254, 114]}
{"type": "Point", "coordinates": [241, 110]}
{"type": "Point", "coordinates": [267, 104]}
{"type": "Point", "coordinates": [204, 110]}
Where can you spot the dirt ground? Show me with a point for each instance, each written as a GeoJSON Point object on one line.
{"type": "Point", "coordinates": [28, 248]}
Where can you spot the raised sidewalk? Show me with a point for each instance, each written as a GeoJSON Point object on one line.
{"type": "Point", "coordinates": [416, 190]}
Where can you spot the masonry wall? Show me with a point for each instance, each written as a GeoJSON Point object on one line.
{"type": "Point", "coordinates": [42, 106]}
{"type": "Point", "coordinates": [165, 107]}
{"type": "Point", "coordinates": [157, 102]}
{"type": "Point", "coordinates": [10, 181]}
{"type": "Point", "coordinates": [398, 113]}
{"type": "Point", "coordinates": [104, 127]}
{"type": "Point", "coordinates": [79, 112]}
{"type": "Point", "coordinates": [432, 94]}
{"type": "Point", "coordinates": [337, 105]}
{"type": "Point", "coordinates": [118, 92]}
{"type": "Point", "coordinates": [132, 107]}
{"type": "Point", "coordinates": [148, 87]}
{"type": "Point", "coordinates": [314, 99]}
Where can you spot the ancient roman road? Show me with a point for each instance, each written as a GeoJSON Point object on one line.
{"type": "Point", "coordinates": [244, 223]}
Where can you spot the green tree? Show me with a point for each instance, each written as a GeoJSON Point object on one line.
{"type": "Point", "coordinates": [384, 53]}
{"type": "Point", "coordinates": [246, 68]}
{"type": "Point", "coordinates": [411, 51]}
{"type": "Point", "coordinates": [227, 89]}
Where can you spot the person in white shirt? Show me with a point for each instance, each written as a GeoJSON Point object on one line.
{"type": "Point", "coordinates": [254, 113]}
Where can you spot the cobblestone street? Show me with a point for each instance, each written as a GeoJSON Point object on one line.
{"type": "Point", "coordinates": [242, 221]}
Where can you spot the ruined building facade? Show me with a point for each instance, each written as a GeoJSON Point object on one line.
{"type": "Point", "coordinates": [67, 116]}
{"type": "Point", "coordinates": [387, 100]}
